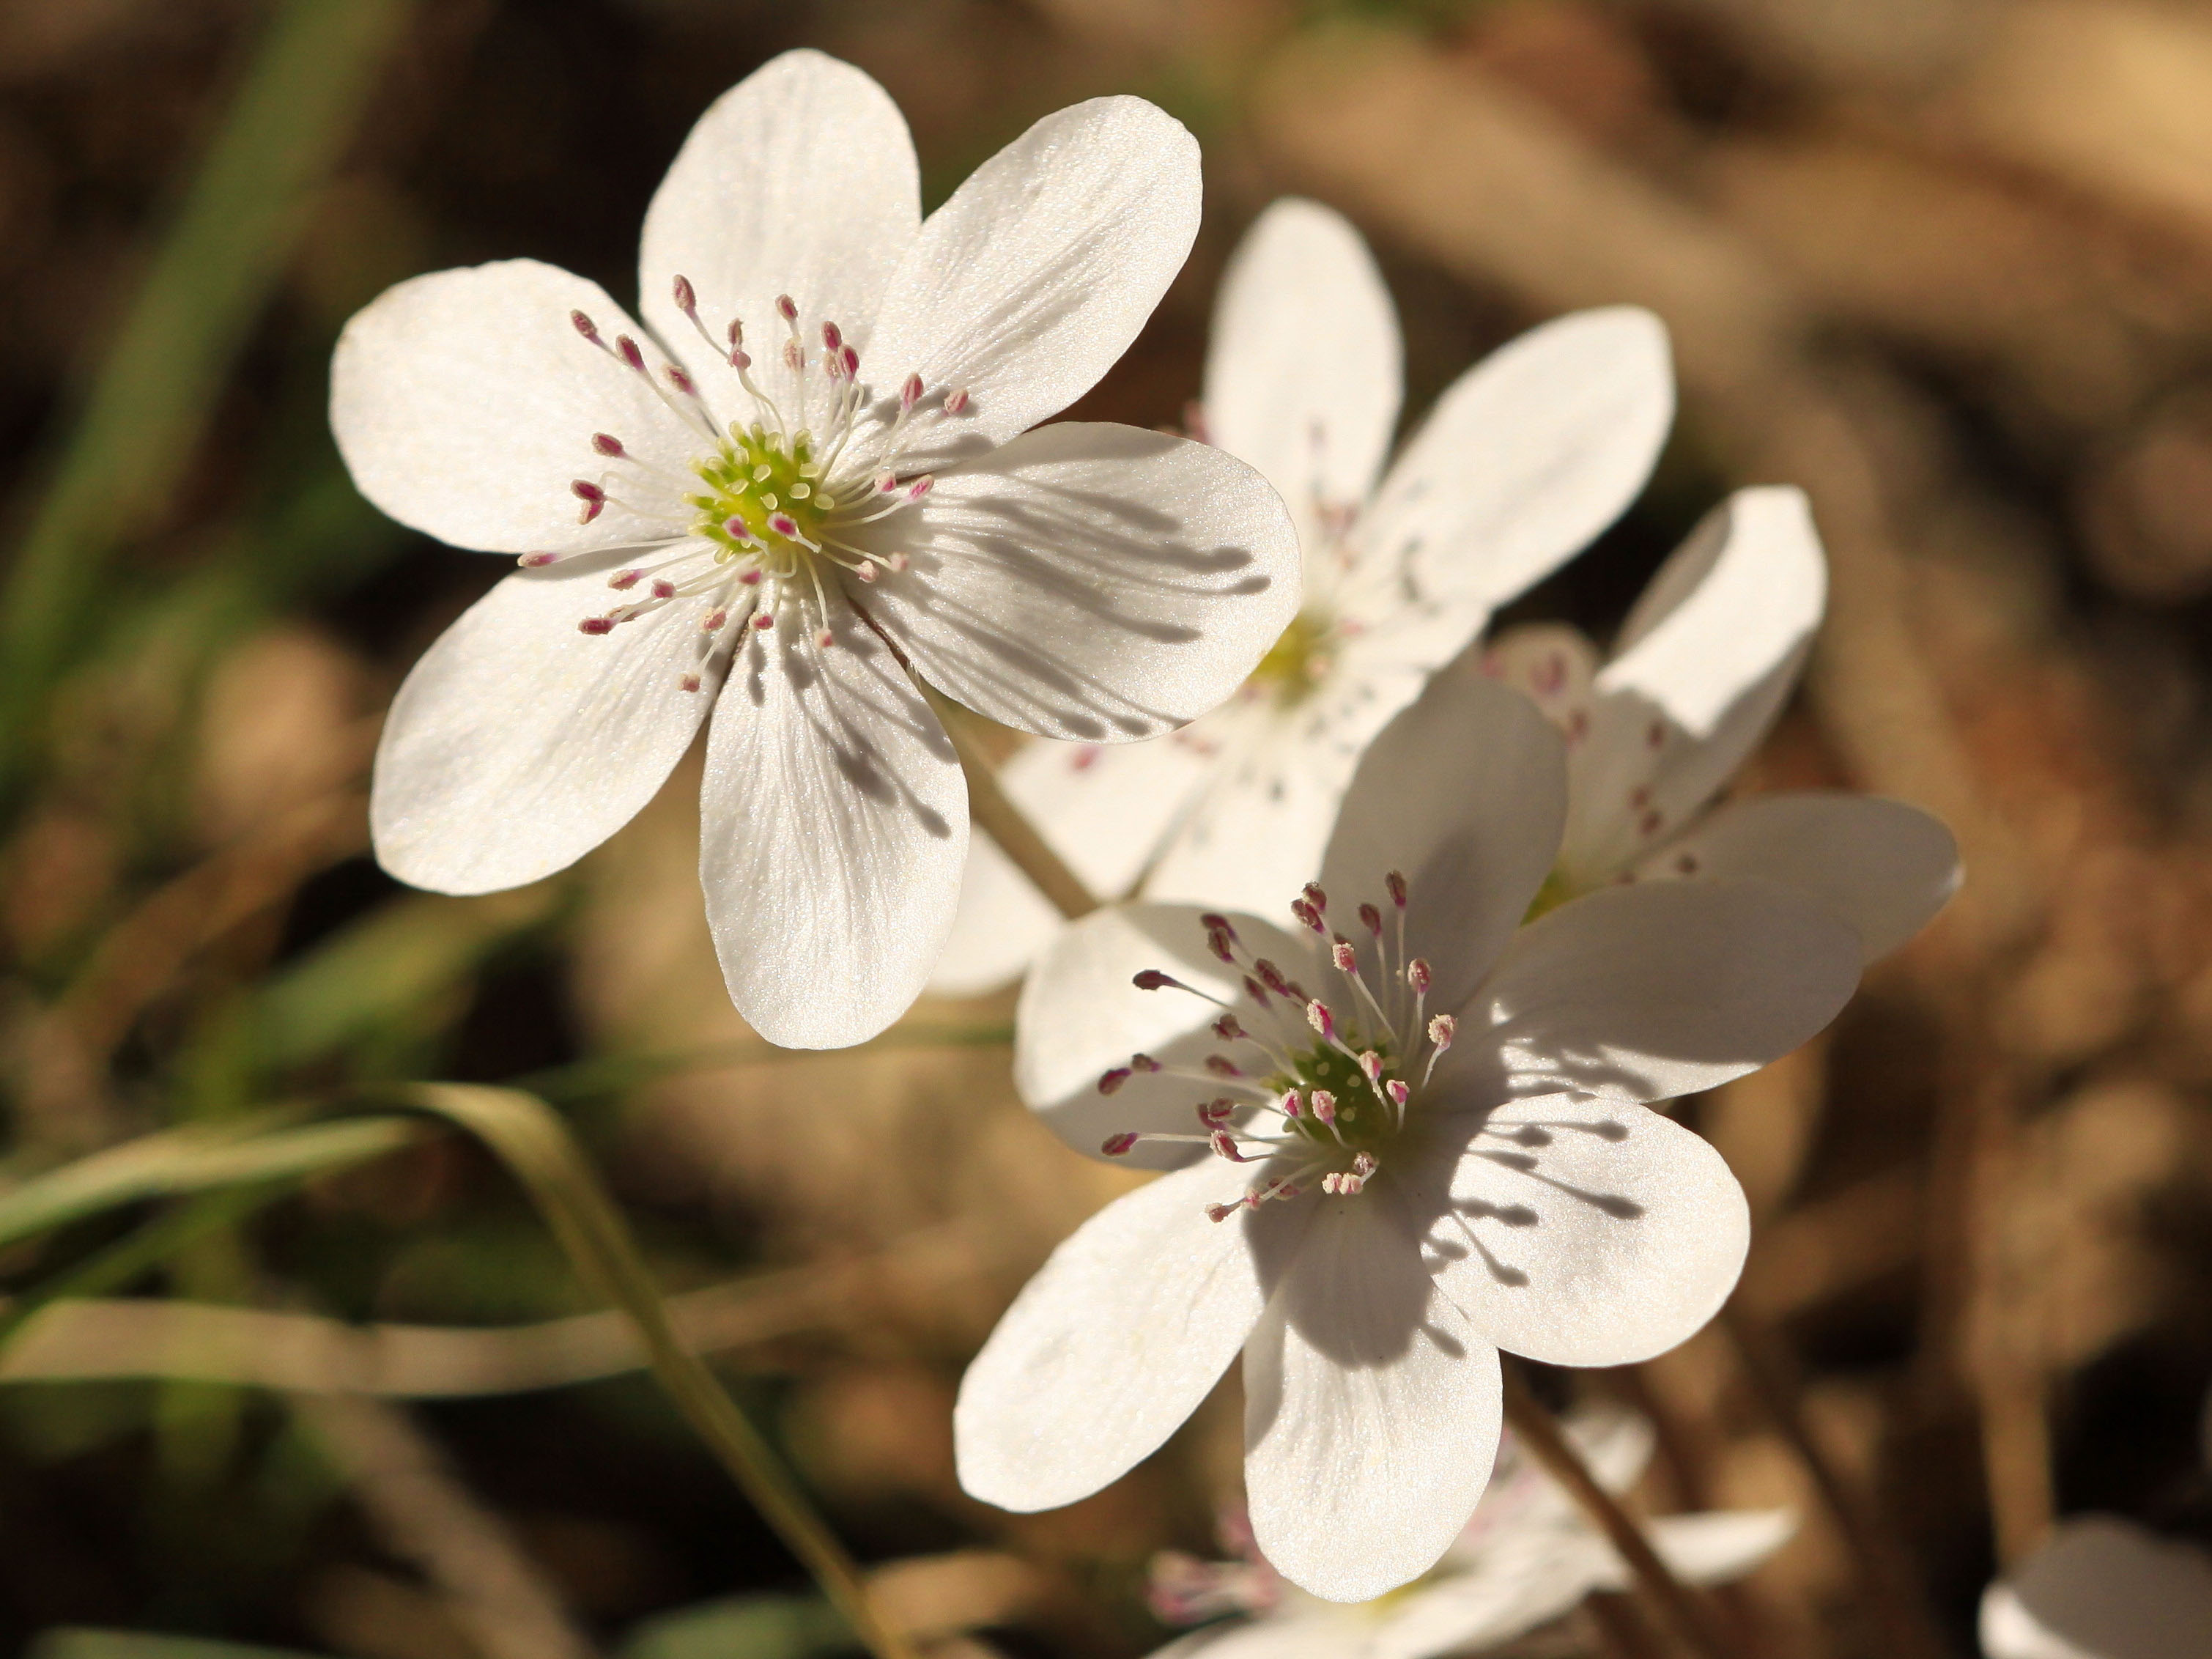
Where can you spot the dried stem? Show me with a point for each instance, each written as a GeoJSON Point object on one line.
{"type": "Point", "coordinates": [1693, 1619]}
{"type": "Point", "coordinates": [1882, 1568]}
{"type": "Point", "coordinates": [1004, 823]}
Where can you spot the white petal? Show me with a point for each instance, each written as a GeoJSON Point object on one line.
{"type": "Point", "coordinates": [1370, 1410]}
{"type": "Point", "coordinates": [1525, 1577]}
{"type": "Point", "coordinates": [517, 744]}
{"type": "Point", "coordinates": [2103, 1589]}
{"type": "Point", "coordinates": [1653, 990]}
{"type": "Point", "coordinates": [1026, 286]}
{"type": "Point", "coordinates": [1720, 1544]}
{"type": "Point", "coordinates": [465, 403]}
{"type": "Point", "coordinates": [834, 825]}
{"type": "Point", "coordinates": [1526, 456]}
{"type": "Point", "coordinates": [1255, 834]}
{"type": "Point", "coordinates": [1615, 1444]}
{"type": "Point", "coordinates": [1111, 1346]}
{"type": "Point", "coordinates": [1462, 794]}
{"type": "Point", "coordinates": [1104, 808]}
{"type": "Point", "coordinates": [1583, 1232]}
{"type": "Point", "coordinates": [1080, 1016]}
{"type": "Point", "coordinates": [1000, 925]}
{"type": "Point", "coordinates": [1259, 831]}
{"type": "Point", "coordinates": [1712, 651]}
{"type": "Point", "coordinates": [1552, 665]}
{"type": "Point", "coordinates": [1304, 370]}
{"type": "Point", "coordinates": [1089, 581]}
{"type": "Point", "coordinates": [800, 180]}
{"type": "Point", "coordinates": [1883, 867]}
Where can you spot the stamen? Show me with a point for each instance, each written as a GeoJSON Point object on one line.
{"type": "Point", "coordinates": [1115, 1146]}
{"type": "Point", "coordinates": [1319, 1017]}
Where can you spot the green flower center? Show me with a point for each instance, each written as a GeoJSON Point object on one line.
{"type": "Point", "coordinates": [1294, 665]}
{"type": "Point", "coordinates": [1365, 1122]}
{"type": "Point", "coordinates": [758, 493]}
{"type": "Point", "coordinates": [1556, 890]}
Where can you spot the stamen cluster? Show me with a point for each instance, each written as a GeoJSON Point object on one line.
{"type": "Point", "coordinates": [1312, 1092]}
{"type": "Point", "coordinates": [767, 504]}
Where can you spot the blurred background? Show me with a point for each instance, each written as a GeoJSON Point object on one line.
{"type": "Point", "coordinates": [1947, 265]}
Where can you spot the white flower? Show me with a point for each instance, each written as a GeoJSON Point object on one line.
{"type": "Point", "coordinates": [1431, 1148]}
{"type": "Point", "coordinates": [798, 517]}
{"type": "Point", "coordinates": [1527, 1557]}
{"type": "Point", "coordinates": [1701, 669]}
{"type": "Point", "coordinates": [1524, 458]}
{"type": "Point", "coordinates": [2102, 1587]}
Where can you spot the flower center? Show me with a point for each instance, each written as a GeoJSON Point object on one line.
{"type": "Point", "coordinates": [760, 532]}
{"type": "Point", "coordinates": [763, 492]}
{"type": "Point", "coordinates": [1296, 662]}
{"type": "Point", "coordinates": [1314, 1094]}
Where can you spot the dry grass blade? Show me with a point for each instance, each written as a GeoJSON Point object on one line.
{"type": "Point", "coordinates": [537, 1148]}
{"type": "Point", "coordinates": [255, 1347]}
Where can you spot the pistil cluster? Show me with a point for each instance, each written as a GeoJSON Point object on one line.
{"type": "Point", "coordinates": [769, 502]}
{"type": "Point", "coordinates": [1316, 1091]}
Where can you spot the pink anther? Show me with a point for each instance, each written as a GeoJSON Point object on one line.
{"type": "Point", "coordinates": [596, 625]}
{"type": "Point", "coordinates": [1115, 1146]}
{"type": "Point", "coordinates": [1318, 1016]}
{"type": "Point", "coordinates": [606, 443]}
{"type": "Point", "coordinates": [687, 300]}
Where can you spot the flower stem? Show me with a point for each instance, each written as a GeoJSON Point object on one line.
{"type": "Point", "coordinates": [1692, 1621]}
{"type": "Point", "coordinates": [535, 1144]}
{"type": "Point", "coordinates": [1882, 1568]}
{"type": "Point", "coordinates": [1005, 823]}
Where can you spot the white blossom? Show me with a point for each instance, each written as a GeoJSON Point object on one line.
{"type": "Point", "coordinates": [1528, 1556]}
{"type": "Point", "coordinates": [805, 485]}
{"type": "Point", "coordinates": [1698, 673]}
{"type": "Point", "coordinates": [1523, 460]}
{"type": "Point", "coordinates": [1431, 1142]}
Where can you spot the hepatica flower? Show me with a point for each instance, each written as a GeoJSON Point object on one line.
{"type": "Point", "coordinates": [1527, 1557]}
{"type": "Point", "coordinates": [1696, 675]}
{"type": "Point", "coordinates": [805, 485]}
{"type": "Point", "coordinates": [1523, 460]}
{"type": "Point", "coordinates": [1403, 1134]}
